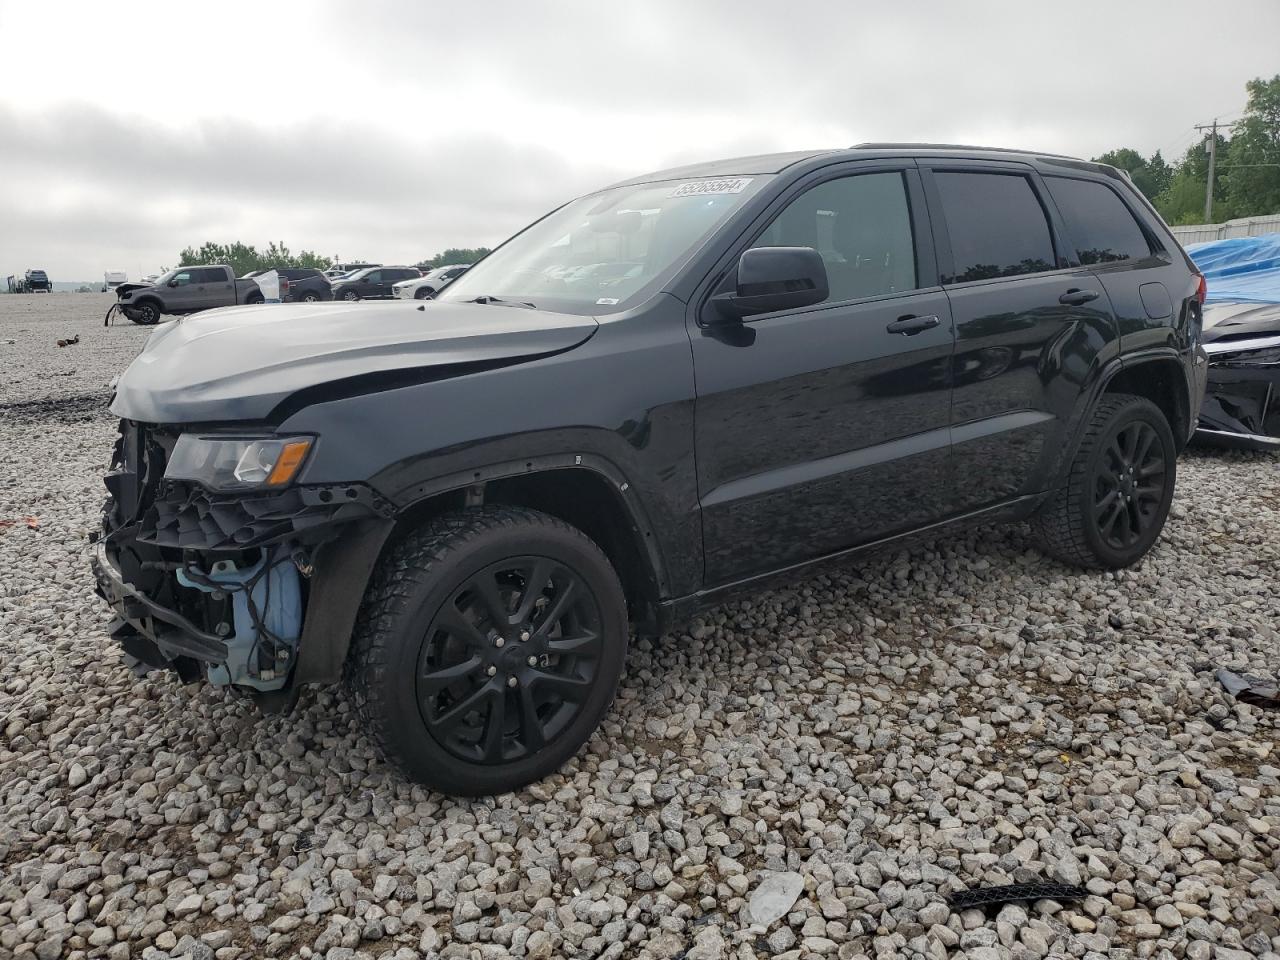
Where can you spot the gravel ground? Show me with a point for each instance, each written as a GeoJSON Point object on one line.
{"type": "Point", "coordinates": [964, 713]}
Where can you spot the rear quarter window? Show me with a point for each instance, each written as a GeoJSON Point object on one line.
{"type": "Point", "coordinates": [1098, 223]}
{"type": "Point", "coordinates": [996, 225]}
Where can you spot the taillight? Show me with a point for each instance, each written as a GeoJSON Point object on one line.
{"type": "Point", "coordinates": [1202, 290]}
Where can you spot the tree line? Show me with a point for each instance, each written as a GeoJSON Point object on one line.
{"type": "Point", "coordinates": [245, 258]}
{"type": "Point", "coordinates": [1246, 180]}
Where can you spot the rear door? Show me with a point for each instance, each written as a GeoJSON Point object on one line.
{"type": "Point", "coordinates": [824, 427]}
{"type": "Point", "coordinates": [215, 287]}
{"type": "Point", "coordinates": [1030, 326]}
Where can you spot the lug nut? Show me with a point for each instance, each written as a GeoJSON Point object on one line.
{"type": "Point", "coordinates": [491, 671]}
{"type": "Point", "coordinates": [525, 635]}
{"type": "Point", "coordinates": [533, 661]}
{"type": "Point", "coordinates": [499, 641]}
{"type": "Point", "coordinates": [512, 681]}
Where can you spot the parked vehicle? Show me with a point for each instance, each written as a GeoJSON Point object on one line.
{"type": "Point", "coordinates": [372, 284]}
{"type": "Point", "coordinates": [659, 395]}
{"type": "Point", "coordinates": [37, 281]}
{"type": "Point", "coordinates": [340, 270]}
{"type": "Point", "coordinates": [428, 285]}
{"type": "Point", "coordinates": [112, 279]}
{"type": "Point", "coordinates": [185, 290]}
{"type": "Point", "coordinates": [1242, 401]}
{"type": "Point", "coordinates": [306, 285]}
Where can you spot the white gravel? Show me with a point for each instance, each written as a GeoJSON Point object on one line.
{"type": "Point", "coordinates": [964, 713]}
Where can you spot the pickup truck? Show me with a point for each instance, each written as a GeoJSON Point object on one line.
{"type": "Point", "coordinates": [186, 290]}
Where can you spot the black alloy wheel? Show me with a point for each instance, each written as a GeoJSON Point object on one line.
{"type": "Point", "coordinates": [350, 295]}
{"type": "Point", "coordinates": [488, 648]}
{"type": "Point", "coordinates": [509, 660]}
{"type": "Point", "coordinates": [1118, 488]}
{"type": "Point", "coordinates": [1129, 485]}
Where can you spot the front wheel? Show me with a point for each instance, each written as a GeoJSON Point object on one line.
{"type": "Point", "coordinates": [146, 313]}
{"type": "Point", "coordinates": [1119, 488]}
{"type": "Point", "coordinates": [488, 648]}
{"type": "Point", "coordinates": [350, 295]}
{"type": "Point", "coordinates": [423, 293]}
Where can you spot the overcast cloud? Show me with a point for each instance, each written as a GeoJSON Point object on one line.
{"type": "Point", "coordinates": [393, 130]}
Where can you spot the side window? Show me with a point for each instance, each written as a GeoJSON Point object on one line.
{"type": "Point", "coordinates": [1098, 222]}
{"type": "Point", "coordinates": [862, 227]}
{"type": "Point", "coordinates": [373, 276]}
{"type": "Point", "coordinates": [996, 224]}
{"type": "Point", "coordinates": [184, 278]}
{"type": "Point", "coordinates": [210, 275]}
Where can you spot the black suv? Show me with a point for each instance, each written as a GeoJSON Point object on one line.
{"type": "Point", "coordinates": [306, 285]}
{"type": "Point", "coordinates": [668, 390]}
{"type": "Point", "coordinates": [373, 283]}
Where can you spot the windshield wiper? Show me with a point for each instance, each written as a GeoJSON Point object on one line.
{"type": "Point", "coordinates": [504, 303]}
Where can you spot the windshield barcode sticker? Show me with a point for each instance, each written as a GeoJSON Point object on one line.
{"type": "Point", "coordinates": [702, 188]}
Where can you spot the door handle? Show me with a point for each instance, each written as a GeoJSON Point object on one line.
{"type": "Point", "coordinates": [1075, 297]}
{"type": "Point", "coordinates": [910, 325]}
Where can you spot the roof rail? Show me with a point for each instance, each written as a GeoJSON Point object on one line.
{"type": "Point", "coordinates": [955, 146]}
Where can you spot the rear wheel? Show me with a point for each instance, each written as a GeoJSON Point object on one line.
{"type": "Point", "coordinates": [1119, 488]}
{"type": "Point", "coordinates": [488, 649]}
{"type": "Point", "coordinates": [310, 297]}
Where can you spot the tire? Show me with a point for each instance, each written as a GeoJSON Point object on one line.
{"type": "Point", "coordinates": [145, 313]}
{"type": "Point", "coordinates": [350, 295]}
{"type": "Point", "coordinates": [255, 299]}
{"type": "Point", "coordinates": [429, 673]}
{"type": "Point", "coordinates": [423, 293]}
{"type": "Point", "coordinates": [311, 297]}
{"type": "Point", "coordinates": [1127, 451]}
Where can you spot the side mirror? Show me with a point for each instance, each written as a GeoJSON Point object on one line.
{"type": "Point", "coordinates": [173, 283]}
{"type": "Point", "coordinates": [775, 278]}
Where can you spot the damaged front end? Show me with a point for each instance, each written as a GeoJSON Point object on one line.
{"type": "Point", "coordinates": [221, 570]}
{"type": "Point", "coordinates": [1242, 399]}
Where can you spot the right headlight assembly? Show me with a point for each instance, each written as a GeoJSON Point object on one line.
{"type": "Point", "coordinates": [224, 463]}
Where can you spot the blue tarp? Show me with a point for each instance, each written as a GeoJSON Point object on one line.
{"type": "Point", "coordinates": [1241, 269]}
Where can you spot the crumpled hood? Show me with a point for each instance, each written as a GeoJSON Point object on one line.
{"type": "Point", "coordinates": [130, 287]}
{"type": "Point", "coordinates": [239, 363]}
{"type": "Point", "coordinates": [1237, 321]}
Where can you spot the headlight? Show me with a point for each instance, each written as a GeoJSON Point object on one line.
{"type": "Point", "coordinates": [237, 463]}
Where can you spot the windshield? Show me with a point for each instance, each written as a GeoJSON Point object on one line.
{"type": "Point", "coordinates": [598, 253]}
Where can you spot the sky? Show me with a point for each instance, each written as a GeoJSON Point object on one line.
{"type": "Point", "coordinates": [393, 130]}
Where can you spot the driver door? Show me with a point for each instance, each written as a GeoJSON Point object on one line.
{"type": "Point", "coordinates": [828, 426]}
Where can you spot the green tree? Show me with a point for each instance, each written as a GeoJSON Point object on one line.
{"type": "Point", "coordinates": [1152, 176]}
{"type": "Point", "coordinates": [242, 259]}
{"type": "Point", "coordinates": [1251, 165]}
{"type": "Point", "coordinates": [1182, 201]}
{"type": "Point", "coordinates": [454, 255]}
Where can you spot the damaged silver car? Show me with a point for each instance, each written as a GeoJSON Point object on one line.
{"type": "Point", "coordinates": [1242, 400]}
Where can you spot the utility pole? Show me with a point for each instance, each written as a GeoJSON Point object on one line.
{"type": "Point", "coordinates": [1213, 161]}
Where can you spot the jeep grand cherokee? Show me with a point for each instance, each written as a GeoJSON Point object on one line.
{"type": "Point", "coordinates": [661, 392]}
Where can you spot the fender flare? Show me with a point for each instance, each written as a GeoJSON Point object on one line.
{"type": "Point", "coordinates": [1109, 371]}
{"type": "Point", "coordinates": [344, 565]}
{"type": "Point", "coordinates": [633, 507]}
